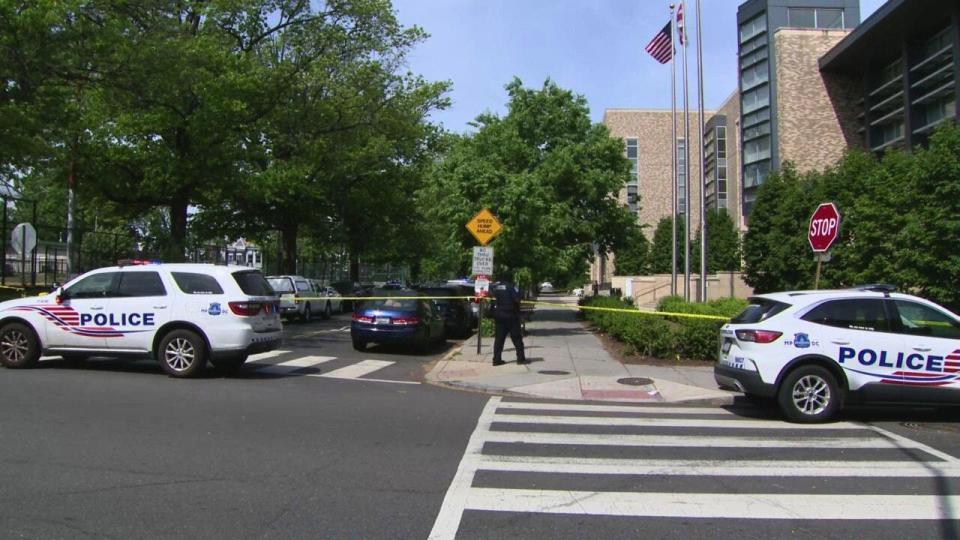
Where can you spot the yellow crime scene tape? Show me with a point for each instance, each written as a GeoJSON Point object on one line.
{"type": "Point", "coordinates": [533, 302]}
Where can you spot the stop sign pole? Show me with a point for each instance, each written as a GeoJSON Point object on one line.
{"type": "Point", "coordinates": [822, 233]}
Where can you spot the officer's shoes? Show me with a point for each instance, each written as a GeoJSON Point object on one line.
{"type": "Point", "coordinates": [498, 362]}
{"type": "Point", "coordinates": [522, 362]}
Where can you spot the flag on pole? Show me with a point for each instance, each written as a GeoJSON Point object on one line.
{"type": "Point", "coordinates": [681, 29]}
{"type": "Point", "coordinates": [661, 46]}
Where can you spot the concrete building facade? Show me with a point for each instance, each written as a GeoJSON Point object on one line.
{"type": "Point", "coordinates": [757, 60]}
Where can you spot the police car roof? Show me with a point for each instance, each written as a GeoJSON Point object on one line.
{"type": "Point", "coordinates": [804, 297]}
{"type": "Point", "coordinates": [179, 267]}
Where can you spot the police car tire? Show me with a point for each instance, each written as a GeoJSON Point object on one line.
{"type": "Point", "coordinates": [19, 347]}
{"type": "Point", "coordinates": [182, 353]}
{"type": "Point", "coordinates": [806, 387]}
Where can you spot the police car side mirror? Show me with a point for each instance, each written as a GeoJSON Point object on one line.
{"type": "Point", "coordinates": [61, 295]}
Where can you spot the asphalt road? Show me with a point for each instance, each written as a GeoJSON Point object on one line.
{"type": "Point", "coordinates": [318, 440]}
{"type": "Point", "coordinates": [117, 449]}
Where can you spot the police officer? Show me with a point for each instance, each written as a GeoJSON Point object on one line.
{"type": "Point", "coordinates": [506, 313]}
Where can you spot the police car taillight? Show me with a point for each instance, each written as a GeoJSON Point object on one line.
{"type": "Point", "coordinates": [758, 336]}
{"type": "Point", "coordinates": [245, 309]}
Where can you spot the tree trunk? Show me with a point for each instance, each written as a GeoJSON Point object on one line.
{"type": "Point", "coordinates": [288, 249]}
{"type": "Point", "coordinates": [354, 266]}
{"type": "Point", "coordinates": [177, 248]}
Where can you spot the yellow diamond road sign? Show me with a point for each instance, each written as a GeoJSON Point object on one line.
{"type": "Point", "coordinates": [484, 226]}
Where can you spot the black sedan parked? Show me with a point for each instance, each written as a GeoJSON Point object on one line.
{"type": "Point", "coordinates": [398, 320]}
{"type": "Point", "coordinates": [456, 310]}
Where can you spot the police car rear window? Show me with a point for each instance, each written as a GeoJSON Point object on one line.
{"type": "Point", "coordinates": [760, 309]}
{"type": "Point", "coordinates": [253, 283]}
{"type": "Point", "coordinates": [191, 283]}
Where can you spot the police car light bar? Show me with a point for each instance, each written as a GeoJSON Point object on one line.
{"type": "Point", "coordinates": [877, 287]}
{"type": "Point", "coordinates": [137, 262]}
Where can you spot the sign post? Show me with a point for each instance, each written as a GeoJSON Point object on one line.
{"type": "Point", "coordinates": [822, 233]}
{"type": "Point", "coordinates": [484, 226]}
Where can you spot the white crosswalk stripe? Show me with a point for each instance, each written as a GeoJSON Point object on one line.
{"type": "Point", "coordinates": [526, 457]}
{"type": "Point", "coordinates": [276, 363]}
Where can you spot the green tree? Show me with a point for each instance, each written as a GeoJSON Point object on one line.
{"type": "Point", "coordinates": [723, 243]}
{"type": "Point", "coordinates": [547, 172]}
{"type": "Point", "coordinates": [661, 252]}
{"type": "Point", "coordinates": [633, 258]}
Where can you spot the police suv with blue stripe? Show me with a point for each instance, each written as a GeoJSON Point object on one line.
{"type": "Point", "coordinates": [180, 314]}
{"type": "Point", "coordinates": [814, 351]}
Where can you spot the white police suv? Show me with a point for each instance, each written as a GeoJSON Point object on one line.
{"type": "Point", "coordinates": [814, 351]}
{"type": "Point", "coordinates": [180, 314]}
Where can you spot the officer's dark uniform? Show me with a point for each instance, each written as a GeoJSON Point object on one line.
{"type": "Point", "coordinates": [507, 315]}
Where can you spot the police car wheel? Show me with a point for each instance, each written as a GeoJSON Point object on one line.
{"type": "Point", "coordinates": [18, 346]}
{"type": "Point", "coordinates": [182, 353]}
{"type": "Point", "coordinates": [809, 394]}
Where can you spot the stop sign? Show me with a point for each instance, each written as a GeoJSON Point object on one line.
{"type": "Point", "coordinates": [824, 225]}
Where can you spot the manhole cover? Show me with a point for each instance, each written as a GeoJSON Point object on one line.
{"type": "Point", "coordinates": [553, 372]}
{"type": "Point", "coordinates": [635, 381]}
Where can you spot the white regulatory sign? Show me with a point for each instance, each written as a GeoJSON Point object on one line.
{"type": "Point", "coordinates": [481, 287]}
{"type": "Point", "coordinates": [482, 261]}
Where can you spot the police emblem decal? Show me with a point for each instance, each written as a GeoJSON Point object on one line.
{"type": "Point", "coordinates": [801, 341]}
{"type": "Point", "coordinates": [214, 309]}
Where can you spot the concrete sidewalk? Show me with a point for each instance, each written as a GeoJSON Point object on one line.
{"type": "Point", "coordinates": [569, 362]}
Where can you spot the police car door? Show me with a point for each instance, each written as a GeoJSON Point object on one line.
{"type": "Point", "coordinates": [140, 307]}
{"type": "Point", "coordinates": [931, 368]}
{"type": "Point", "coordinates": [81, 324]}
{"type": "Point", "coordinates": [856, 334]}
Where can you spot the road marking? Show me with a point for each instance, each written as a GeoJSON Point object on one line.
{"type": "Point", "coordinates": [270, 354]}
{"type": "Point", "coordinates": [448, 520]}
{"type": "Point", "coordinates": [669, 422]}
{"type": "Point", "coordinates": [690, 441]}
{"type": "Point", "coordinates": [292, 365]}
{"type": "Point", "coordinates": [357, 370]}
{"type": "Point", "coordinates": [863, 469]}
{"type": "Point", "coordinates": [905, 441]}
{"type": "Point", "coordinates": [716, 505]}
{"type": "Point", "coordinates": [644, 409]}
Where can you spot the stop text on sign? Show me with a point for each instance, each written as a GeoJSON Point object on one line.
{"type": "Point", "coordinates": [824, 226]}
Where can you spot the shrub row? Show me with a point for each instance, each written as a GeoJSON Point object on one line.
{"type": "Point", "coordinates": [663, 336]}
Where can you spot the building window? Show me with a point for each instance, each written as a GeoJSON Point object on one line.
{"type": "Point", "coordinates": [756, 118]}
{"type": "Point", "coordinates": [755, 99]}
{"type": "Point", "coordinates": [755, 173]}
{"type": "Point", "coordinates": [756, 150]}
{"type": "Point", "coordinates": [754, 75]}
{"type": "Point", "coordinates": [721, 169]}
{"type": "Point", "coordinates": [681, 176]}
{"type": "Point", "coordinates": [753, 27]}
{"type": "Point", "coordinates": [633, 150]}
{"type": "Point", "coordinates": [815, 18]}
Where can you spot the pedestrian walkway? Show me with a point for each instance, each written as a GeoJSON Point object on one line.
{"type": "Point", "coordinates": [569, 362]}
{"type": "Point", "coordinates": [575, 470]}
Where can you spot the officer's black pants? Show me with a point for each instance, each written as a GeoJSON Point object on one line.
{"type": "Point", "coordinates": [509, 325]}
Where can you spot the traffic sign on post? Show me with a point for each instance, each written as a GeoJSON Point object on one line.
{"type": "Point", "coordinates": [824, 227]}
{"type": "Point", "coordinates": [482, 260]}
{"type": "Point", "coordinates": [484, 226]}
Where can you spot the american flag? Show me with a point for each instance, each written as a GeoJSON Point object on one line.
{"type": "Point", "coordinates": [681, 29]}
{"type": "Point", "coordinates": [661, 46]}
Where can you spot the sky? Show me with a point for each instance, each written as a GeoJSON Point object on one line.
{"type": "Point", "coordinates": [592, 47]}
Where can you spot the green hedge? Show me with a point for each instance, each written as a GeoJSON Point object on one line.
{"type": "Point", "coordinates": [664, 336]}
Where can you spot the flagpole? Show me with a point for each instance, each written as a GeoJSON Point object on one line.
{"type": "Point", "coordinates": [686, 160]}
{"type": "Point", "coordinates": [703, 176]}
{"type": "Point", "coordinates": [673, 157]}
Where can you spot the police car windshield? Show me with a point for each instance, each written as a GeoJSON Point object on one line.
{"type": "Point", "coordinates": [760, 309]}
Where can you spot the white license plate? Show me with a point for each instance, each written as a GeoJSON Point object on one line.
{"type": "Point", "coordinates": [382, 320]}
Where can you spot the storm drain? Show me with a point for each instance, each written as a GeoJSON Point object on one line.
{"type": "Point", "coordinates": [635, 381]}
{"type": "Point", "coordinates": [553, 372]}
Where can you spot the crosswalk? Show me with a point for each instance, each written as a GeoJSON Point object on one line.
{"type": "Point", "coordinates": [696, 468]}
{"type": "Point", "coordinates": [285, 362]}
